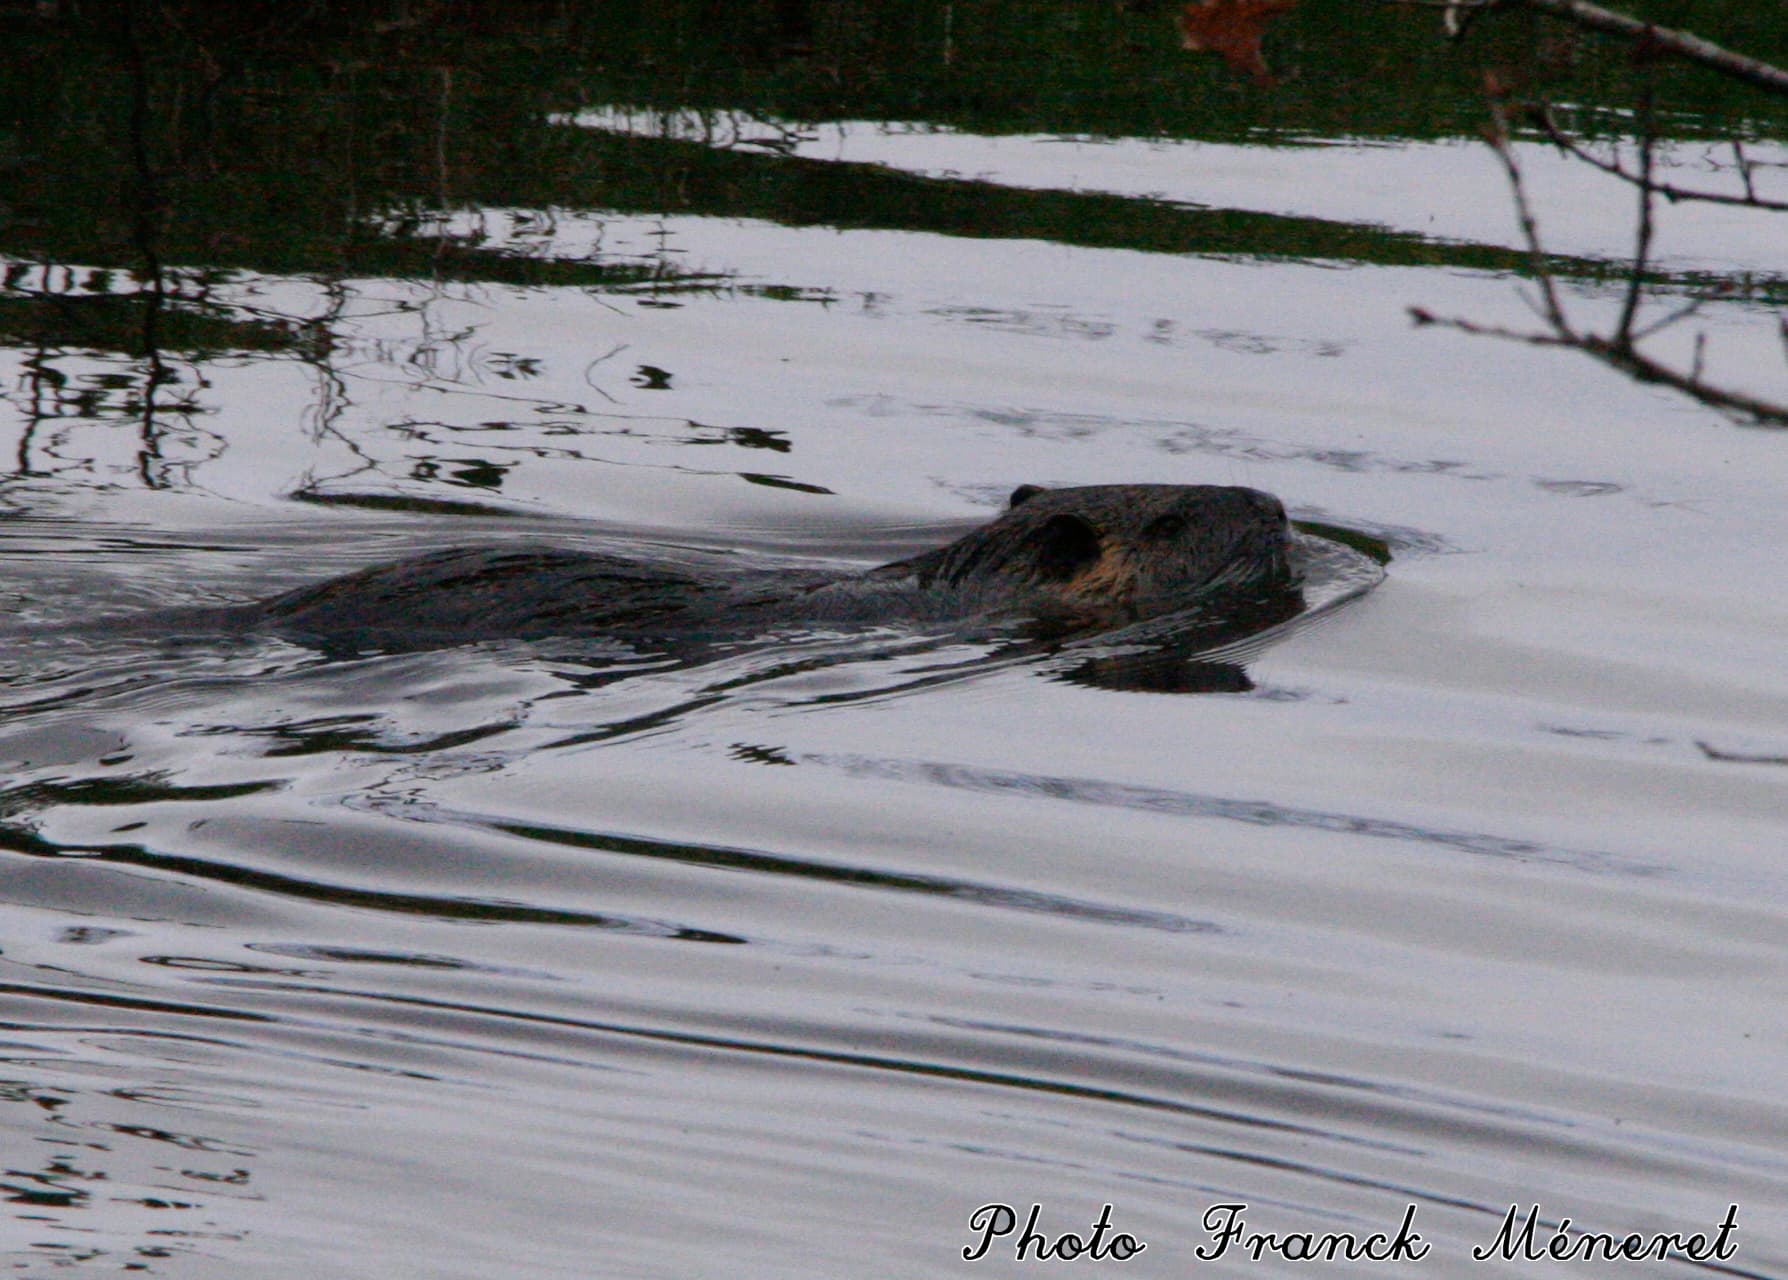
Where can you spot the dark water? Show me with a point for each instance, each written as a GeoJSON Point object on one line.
{"type": "Point", "coordinates": [564, 959]}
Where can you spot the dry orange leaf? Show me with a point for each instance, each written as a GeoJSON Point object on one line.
{"type": "Point", "coordinates": [1232, 29]}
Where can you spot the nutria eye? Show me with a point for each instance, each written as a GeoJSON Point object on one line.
{"type": "Point", "coordinates": [1065, 545]}
{"type": "Point", "coordinates": [1165, 527]}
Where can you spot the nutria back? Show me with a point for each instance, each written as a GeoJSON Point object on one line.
{"type": "Point", "coordinates": [1071, 560]}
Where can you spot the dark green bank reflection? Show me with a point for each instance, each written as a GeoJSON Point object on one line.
{"type": "Point", "coordinates": [337, 141]}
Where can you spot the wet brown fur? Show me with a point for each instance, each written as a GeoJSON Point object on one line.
{"type": "Point", "coordinates": [1106, 554]}
{"type": "Point", "coordinates": [1072, 559]}
{"type": "Point", "coordinates": [1110, 582]}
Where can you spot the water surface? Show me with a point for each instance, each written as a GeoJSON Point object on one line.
{"type": "Point", "coordinates": [552, 959]}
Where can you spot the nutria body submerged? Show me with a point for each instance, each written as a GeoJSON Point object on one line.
{"type": "Point", "coordinates": [1067, 560]}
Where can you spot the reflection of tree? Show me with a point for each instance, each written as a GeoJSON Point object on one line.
{"type": "Point", "coordinates": [470, 473]}
{"type": "Point", "coordinates": [146, 205]}
{"type": "Point", "coordinates": [43, 383]}
{"type": "Point", "coordinates": [166, 177]}
{"type": "Point", "coordinates": [323, 414]}
{"type": "Point", "coordinates": [81, 1170]}
{"type": "Point", "coordinates": [69, 376]}
{"type": "Point", "coordinates": [60, 387]}
{"type": "Point", "coordinates": [137, 316]}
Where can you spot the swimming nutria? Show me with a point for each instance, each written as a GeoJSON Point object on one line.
{"type": "Point", "coordinates": [1067, 560]}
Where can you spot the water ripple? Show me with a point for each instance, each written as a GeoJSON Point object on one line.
{"type": "Point", "coordinates": [1188, 804]}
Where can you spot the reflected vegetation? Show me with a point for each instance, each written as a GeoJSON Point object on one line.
{"type": "Point", "coordinates": [196, 184]}
{"type": "Point", "coordinates": [151, 155]}
{"type": "Point", "coordinates": [322, 144]}
{"type": "Point", "coordinates": [108, 1190]}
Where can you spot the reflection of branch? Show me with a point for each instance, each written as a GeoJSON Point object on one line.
{"type": "Point", "coordinates": [146, 208]}
{"type": "Point", "coordinates": [590, 370]}
{"type": "Point", "coordinates": [38, 374]}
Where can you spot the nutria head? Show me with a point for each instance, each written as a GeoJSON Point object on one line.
{"type": "Point", "coordinates": [1114, 553]}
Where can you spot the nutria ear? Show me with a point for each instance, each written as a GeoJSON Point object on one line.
{"type": "Point", "coordinates": [1064, 546]}
{"type": "Point", "coordinates": [1024, 493]}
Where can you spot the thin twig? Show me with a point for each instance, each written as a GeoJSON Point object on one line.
{"type": "Point", "coordinates": [1680, 44]}
{"type": "Point", "coordinates": [1642, 367]}
{"type": "Point", "coordinates": [1498, 137]}
{"type": "Point", "coordinates": [1619, 349]}
{"type": "Point", "coordinates": [1533, 338]}
{"type": "Point", "coordinates": [1648, 141]}
{"type": "Point", "coordinates": [1541, 117]}
{"type": "Point", "coordinates": [1675, 317]}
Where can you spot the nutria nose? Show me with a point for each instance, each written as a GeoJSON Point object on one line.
{"type": "Point", "coordinates": [1267, 505]}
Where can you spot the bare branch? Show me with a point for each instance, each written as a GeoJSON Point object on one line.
{"type": "Point", "coordinates": [1681, 44]}
{"type": "Point", "coordinates": [1737, 404]}
{"type": "Point", "coordinates": [1533, 338]}
{"type": "Point", "coordinates": [1619, 349]}
{"type": "Point", "coordinates": [1641, 367]}
{"type": "Point", "coordinates": [1541, 117]}
{"type": "Point", "coordinates": [1498, 137]}
{"type": "Point", "coordinates": [1675, 317]}
{"type": "Point", "coordinates": [1648, 141]}
{"type": "Point", "coordinates": [1594, 17]}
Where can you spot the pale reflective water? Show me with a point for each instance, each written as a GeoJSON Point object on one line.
{"type": "Point", "coordinates": [553, 960]}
